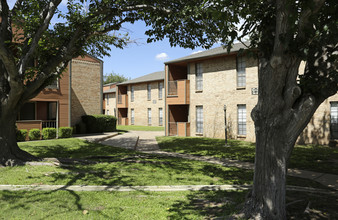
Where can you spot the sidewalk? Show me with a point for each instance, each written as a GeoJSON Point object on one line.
{"type": "Point", "coordinates": [145, 142]}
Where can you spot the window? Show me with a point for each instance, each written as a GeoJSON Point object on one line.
{"type": "Point", "coordinates": [149, 116]}
{"type": "Point", "coordinates": [52, 110]}
{"type": "Point", "coordinates": [241, 119]}
{"type": "Point", "coordinates": [241, 71]}
{"type": "Point", "coordinates": [107, 111]}
{"type": "Point", "coordinates": [54, 84]}
{"type": "Point", "coordinates": [107, 98]}
{"type": "Point", "coordinates": [149, 91]}
{"type": "Point", "coordinates": [28, 111]}
{"type": "Point", "coordinates": [199, 119]}
{"type": "Point", "coordinates": [160, 90]}
{"type": "Point", "coordinates": [131, 93]}
{"type": "Point", "coordinates": [132, 112]}
{"type": "Point", "coordinates": [199, 77]}
{"type": "Point", "coordinates": [334, 120]}
{"type": "Point", "coordinates": [160, 113]}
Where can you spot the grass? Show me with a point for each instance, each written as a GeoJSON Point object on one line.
{"type": "Point", "coordinates": [138, 128]}
{"type": "Point", "coordinates": [314, 158]}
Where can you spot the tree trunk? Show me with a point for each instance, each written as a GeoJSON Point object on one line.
{"type": "Point", "coordinates": [10, 153]}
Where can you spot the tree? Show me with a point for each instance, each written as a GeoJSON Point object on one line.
{"type": "Point", "coordinates": [284, 32]}
{"type": "Point", "coordinates": [114, 78]}
{"type": "Point", "coordinates": [33, 52]}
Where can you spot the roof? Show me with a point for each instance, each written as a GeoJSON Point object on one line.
{"type": "Point", "coordinates": [210, 53]}
{"type": "Point", "coordinates": [110, 90]}
{"type": "Point", "coordinates": [108, 84]}
{"type": "Point", "coordinates": [156, 76]}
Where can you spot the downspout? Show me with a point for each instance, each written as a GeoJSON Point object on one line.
{"type": "Point", "coordinates": [101, 86]}
{"type": "Point", "coordinates": [70, 95]}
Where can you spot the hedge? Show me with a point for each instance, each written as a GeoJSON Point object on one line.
{"type": "Point", "coordinates": [99, 123]}
{"type": "Point", "coordinates": [34, 134]}
{"type": "Point", "coordinates": [65, 132]}
{"type": "Point", "coordinates": [49, 133]}
{"type": "Point", "coordinates": [21, 134]}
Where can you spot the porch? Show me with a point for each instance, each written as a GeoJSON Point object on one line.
{"type": "Point", "coordinates": [178, 124]}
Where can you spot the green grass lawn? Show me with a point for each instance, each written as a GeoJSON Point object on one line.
{"type": "Point", "coordinates": [138, 128]}
{"type": "Point", "coordinates": [309, 157]}
{"type": "Point", "coordinates": [132, 168]}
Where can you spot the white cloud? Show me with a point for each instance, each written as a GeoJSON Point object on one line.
{"type": "Point", "coordinates": [162, 56]}
{"type": "Point", "coordinates": [197, 52]}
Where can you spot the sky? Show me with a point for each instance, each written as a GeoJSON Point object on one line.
{"type": "Point", "coordinates": [139, 58]}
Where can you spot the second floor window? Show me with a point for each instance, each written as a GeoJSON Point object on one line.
{"type": "Point", "coordinates": [199, 77]}
{"type": "Point", "coordinates": [241, 71]}
{"type": "Point", "coordinates": [149, 91]}
{"type": "Point", "coordinates": [160, 90]}
{"type": "Point", "coordinates": [107, 98]}
{"type": "Point", "coordinates": [131, 93]}
{"type": "Point", "coordinates": [53, 85]}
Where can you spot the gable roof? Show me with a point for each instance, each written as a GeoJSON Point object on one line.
{"type": "Point", "coordinates": [210, 53]}
{"type": "Point", "coordinates": [156, 76]}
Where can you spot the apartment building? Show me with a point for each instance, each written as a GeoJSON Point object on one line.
{"type": "Point", "coordinates": [200, 87]}
{"type": "Point", "coordinates": [109, 99]}
{"type": "Point", "coordinates": [77, 93]}
{"type": "Point", "coordinates": [141, 100]}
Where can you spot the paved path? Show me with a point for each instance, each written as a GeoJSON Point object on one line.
{"type": "Point", "coordinates": [146, 143]}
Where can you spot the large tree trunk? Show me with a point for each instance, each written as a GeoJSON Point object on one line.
{"type": "Point", "coordinates": [282, 112]}
{"type": "Point", "coordinates": [10, 153]}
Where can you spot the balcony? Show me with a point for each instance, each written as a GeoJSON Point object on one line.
{"type": "Point", "coordinates": [181, 129]}
{"type": "Point", "coordinates": [36, 124]}
{"type": "Point", "coordinates": [122, 101]}
{"type": "Point", "coordinates": [178, 92]}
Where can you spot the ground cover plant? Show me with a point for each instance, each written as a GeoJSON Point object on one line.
{"type": "Point", "coordinates": [138, 128]}
{"type": "Point", "coordinates": [309, 157]}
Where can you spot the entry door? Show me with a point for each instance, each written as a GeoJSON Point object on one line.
{"type": "Point", "coordinates": [334, 120]}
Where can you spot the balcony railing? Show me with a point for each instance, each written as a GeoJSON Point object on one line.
{"type": "Point", "coordinates": [172, 88]}
{"type": "Point", "coordinates": [178, 92]}
{"type": "Point", "coordinates": [49, 124]}
{"type": "Point", "coordinates": [123, 121]}
{"type": "Point", "coordinates": [122, 101]}
{"type": "Point", "coordinates": [179, 129]}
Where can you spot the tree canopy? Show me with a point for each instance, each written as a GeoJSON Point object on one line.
{"type": "Point", "coordinates": [114, 78]}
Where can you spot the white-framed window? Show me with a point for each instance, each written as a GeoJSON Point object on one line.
{"type": "Point", "coordinates": [199, 77]}
{"type": "Point", "coordinates": [149, 116]}
{"type": "Point", "coordinates": [107, 112]}
{"type": "Point", "coordinates": [241, 119]}
{"type": "Point", "coordinates": [53, 85]}
{"type": "Point", "coordinates": [149, 91]}
{"type": "Point", "coordinates": [107, 98]}
{"type": "Point", "coordinates": [160, 90]}
{"type": "Point", "coordinates": [160, 114]}
{"type": "Point", "coordinates": [132, 112]}
{"type": "Point", "coordinates": [241, 81]}
{"type": "Point", "coordinates": [199, 119]}
{"type": "Point", "coordinates": [132, 89]}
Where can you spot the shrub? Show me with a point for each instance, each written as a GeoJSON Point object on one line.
{"type": "Point", "coordinates": [99, 123]}
{"type": "Point", "coordinates": [80, 128]}
{"type": "Point", "coordinates": [49, 133]}
{"type": "Point", "coordinates": [34, 134]}
{"type": "Point", "coordinates": [65, 132]}
{"type": "Point", "coordinates": [21, 134]}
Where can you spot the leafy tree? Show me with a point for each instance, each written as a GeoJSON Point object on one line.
{"type": "Point", "coordinates": [114, 78]}
{"type": "Point", "coordinates": [33, 53]}
{"type": "Point", "coordinates": [285, 33]}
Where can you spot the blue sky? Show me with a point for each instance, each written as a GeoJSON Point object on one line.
{"type": "Point", "coordinates": [140, 58]}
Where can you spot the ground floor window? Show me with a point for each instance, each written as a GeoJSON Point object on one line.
{"type": "Point", "coordinates": [199, 119]}
{"type": "Point", "coordinates": [132, 118]}
{"type": "Point", "coordinates": [149, 116]}
{"type": "Point", "coordinates": [160, 113]}
{"type": "Point", "coordinates": [334, 120]}
{"type": "Point", "coordinates": [241, 119]}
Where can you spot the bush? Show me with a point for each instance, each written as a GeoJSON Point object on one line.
{"type": "Point", "coordinates": [65, 132]}
{"type": "Point", "coordinates": [99, 123]}
{"type": "Point", "coordinates": [34, 134]}
{"type": "Point", "coordinates": [21, 134]}
{"type": "Point", "coordinates": [49, 133]}
{"type": "Point", "coordinates": [80, 128]}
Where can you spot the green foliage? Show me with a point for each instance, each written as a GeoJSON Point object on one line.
{"type": "Point", "coordinates": [65, 132]}
{"type": "Point", "coordinates": [114, 78]}
{"type": "Point", "coordinates": [21, 134]}
{"type": "Point", "coordinates": [48, 133]}
{"type": "Point", "coordinates": [34, 134]}
{"type": "Point", "coordinates": [80, 128]}
{"type": "Point", "coordinates": [99, 123]}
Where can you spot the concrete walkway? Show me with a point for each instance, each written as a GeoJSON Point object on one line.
{"type": "Point", "coordinates": [145, 141]}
